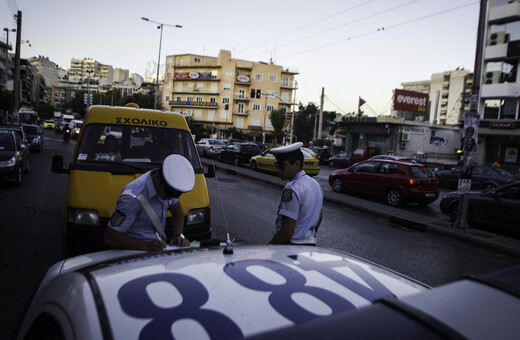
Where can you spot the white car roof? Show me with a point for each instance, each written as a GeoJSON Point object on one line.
{"type": "Point", "coordinates": [202, 291]}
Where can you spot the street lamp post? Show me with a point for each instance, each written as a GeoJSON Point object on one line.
{"type": "Point", "coordinates": [158, 58]}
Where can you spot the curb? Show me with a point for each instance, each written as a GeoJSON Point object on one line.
{"type": "Point", "coordinates": [500, 244]}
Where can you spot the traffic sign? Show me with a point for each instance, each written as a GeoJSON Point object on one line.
{"type": "Point", "coordinates": [438, 141]}
{"type": "Point", "coordinates": [464, 186]}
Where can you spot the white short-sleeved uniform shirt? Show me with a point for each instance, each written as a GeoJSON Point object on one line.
{"type": "Point", "coordinates": [302, 200]}
{"type": "Point", "coordinates": [130, 218]}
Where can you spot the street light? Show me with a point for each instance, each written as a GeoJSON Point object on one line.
{"type": "Point", "coordinates": [7, 30]}
{"type": "Point", "coordinates": [159, 58]}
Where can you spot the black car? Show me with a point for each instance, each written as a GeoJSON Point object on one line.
{"type": "Point", "coordinates": [322, 154]}
{"type": "Point", "coordinates": [34, 137]}
{"type": "Point", "coordinates": [483, 177]}
{"type": "Point", "coordinates": [238, 153]}
{"type": "Point", "coordinates": [498, 206]}
{"type": "Point", "coordinates": [340, 160]}
{"type": "Point", "coordinates": [14, 157]}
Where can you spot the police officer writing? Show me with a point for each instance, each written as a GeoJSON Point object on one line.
{"type": "Point", "coordinates": [299, 211]}
{"type": "Point", "coordinates": [139, 218]}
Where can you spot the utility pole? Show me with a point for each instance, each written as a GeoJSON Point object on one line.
{"type": "Point", "coordinates": [16, 87]}
{"type": "Point", "coordinates": [467, 157]}
{"type": "Point", "coordinates": [320, 125]}
{"type": "Point", "coordinates": [292, 116]}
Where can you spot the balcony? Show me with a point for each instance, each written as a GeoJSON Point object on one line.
{"type": "Point", "coordinates": [505, 13]}
{"type": "Point", "coordinates": [185, 103]}
{"type": "Point", "coordinates": [500, 90]}
{"type": "Point", "coordinates": [243, 113]}
{"type": "Point", "coordinates": [241, 98]}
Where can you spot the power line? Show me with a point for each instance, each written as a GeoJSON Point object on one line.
{"type": "Point", "coordinates": [343, 25]}
{"type": "Point", "coordinates": [307, 25]}
{"type": "Point", "coordinates": [11, 7]}
{"type": "Point", "coordinates": [380, 29]}
{"type": "Point", "coordinates": [339, 108]}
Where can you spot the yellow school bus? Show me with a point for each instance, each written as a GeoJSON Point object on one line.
{"type": "Point", "coordinates": [96, 175]}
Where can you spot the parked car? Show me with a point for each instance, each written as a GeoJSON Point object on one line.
{"type": "Point", "coordinates": [261, 292]}
{"type": "Point", "coordinates": [499, 206]}
{"type": "Point", "coordinates": [14, 157]}
{"type": "Point", "coordinates": [34, 137]}
{"type": "Point", "coordinates": [18, 129]}
{"type": "Point", "coordinates": [363, 153]}
{"type": "Point", "coordinates": [265, 162]}
{"type": "Point", "coordinates": [340, 160]}
{"type": "Point", "coordinates": [209, 147]}
{"type": "Point", "coordinates": [238, 153]}
{"type": "Point", "coordinates": [483, 177]}
{"type": "Point", "coordinates": [394, 158]}
{"type": "Point", "coordinates": [322, 154]}
{"type": "Point", "coordinates": [396, 182]}
{"type": "Point", "coordinates": [49, 124]}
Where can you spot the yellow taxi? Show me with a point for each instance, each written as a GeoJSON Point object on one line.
{"type": "Point", "coordinates": [265, 162]}
{"type": "Point", "coordinates": [310, 152]}
{"type": "Point", "coordinates": [49, 124]}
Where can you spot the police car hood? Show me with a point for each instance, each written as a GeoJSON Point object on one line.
{"type": "Point", "coordinates": [202, 291]}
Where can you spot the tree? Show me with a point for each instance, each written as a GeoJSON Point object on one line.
{"type": "Point", "coordinates": [45, 111]}
{"type": "Point", "coordinates": [144, 101]}
{"type": "Point", "coordinates": [304, 122]}
{"type": "Point", "coordinates": [6, 101]}
{"type": "Point", "coordinates": [277, 118]}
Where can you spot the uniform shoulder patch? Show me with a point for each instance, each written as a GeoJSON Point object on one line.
{"type": "Point", "coordinates": [287, 195]}
{"type": "Point", "coordinates": [117, 218]}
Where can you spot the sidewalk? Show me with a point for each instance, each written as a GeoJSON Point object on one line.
{"type": "Point", "coordinates": [501, 244]}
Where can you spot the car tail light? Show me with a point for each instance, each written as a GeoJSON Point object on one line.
{"type": "Point", "coordinates": [412, 181]}
{"type": "Point", "coordinates": [211, 148]}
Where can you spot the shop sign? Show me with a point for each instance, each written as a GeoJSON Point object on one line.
{"type": "Point", "coordinates": [502, 125]}
{"type": "Point", "coordinates": [410, 101]}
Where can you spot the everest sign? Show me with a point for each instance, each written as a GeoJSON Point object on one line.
{"type": "Point", "coordinates": [410, 101]}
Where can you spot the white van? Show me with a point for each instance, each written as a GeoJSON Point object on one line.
{"type": "Point", "coordinates": [75, 127]}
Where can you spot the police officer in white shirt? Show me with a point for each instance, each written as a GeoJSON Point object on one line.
{"type": "Point", "coordinates": [299, 211]}
{"type": "Point", "coordinates": [139, 219]}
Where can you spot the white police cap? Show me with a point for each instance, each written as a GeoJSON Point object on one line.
{"type": "Point", "coordinates": [178, 173]}
{"type": "Point", "coordinates": [287, 148]}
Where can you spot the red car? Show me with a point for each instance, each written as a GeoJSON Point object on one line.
{"type": "Point", "coordinates": [396, 182]}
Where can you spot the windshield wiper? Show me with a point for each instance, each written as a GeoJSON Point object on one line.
{"type": "Point", "coordinates": [125, 164]}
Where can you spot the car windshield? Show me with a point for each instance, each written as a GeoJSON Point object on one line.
{"type": "Point", "coordinates": [6, 142]}
{"type": "Point", "coordinates": [421, 172]}
{"type": "Point", "coordinates": [503, 172]}
{"type": "Point", "coordinates": [250, 148]}
{"type": "Point", "coordinates": [134, 144]}
{"type": "Point", "coordinates": [30, 130]}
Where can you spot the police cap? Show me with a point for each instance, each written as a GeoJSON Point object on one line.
{"type": "Point", "coordinates": [287, 149]}
{"type": "Point", "coordinates": [178, 173]}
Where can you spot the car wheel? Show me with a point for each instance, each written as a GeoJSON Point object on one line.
{"type": "Point", "coordinates": [19, 176]}
{"type": "Point", "coordinates": [454, 214]}
{"type": "Point", "coordinates": [393, 197]}
{"type": "Point", "coordinates": [488, 186]}
{"type": "Point", "coordinates": [254, 166]}
{"type": "Point", "coordinates": [28, 167]}
{"type": "Point", "coordinates": [337, 184]}
{"type": "Point", "coordinates": [331, 163]}
{"type": "Point", "coordinates": [236, 162]}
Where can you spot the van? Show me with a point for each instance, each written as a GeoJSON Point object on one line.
{"type": "Point", "coordinates": [363, 153]}
{"type": "Point", "coordinates": [145, 137]}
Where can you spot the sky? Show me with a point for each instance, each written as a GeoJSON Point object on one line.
{"type": "Point", "coordinates": [351, 48]}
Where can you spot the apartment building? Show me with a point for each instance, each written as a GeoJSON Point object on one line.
{"type": "Point", "coordinates": [224, 92]}
{"type": "Point", "coordinates": [449, 95]}
{"type": "Point", "coordinates": [499, 129]}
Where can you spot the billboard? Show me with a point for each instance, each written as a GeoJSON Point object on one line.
{"type": "Point", "coordinates": [410, 101]}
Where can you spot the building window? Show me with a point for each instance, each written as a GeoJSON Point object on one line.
{"type": "Point", "coordinates": [241, 108]}
{"type": "Point", "coordinates": [189, 98]}
{"type": "Point", "coordinates": [500, 109]}
{"type": "Point", "coordinates": [211, 115]}
{"type": "Point", "coordinates": [179, 86]}
{"type": "Point", "coordinates": [190, 86]}
{"type": "Point", "coordinates": [213, 87]}
{"type": "Point", "coordinates": [197, 113]}
{"type": "Point", "coordinates": [167, 98]}
{"type": "Point", "coordinates": [285, 81]}
{"type": "Point", "coordinates": [256, 107]}
{"type": "Point", "coordinates": [200, 86]}
{"type": "Point", "coordinates": [223, 115]}
{"type": "Point", "coordinates": [199, 99]}
{"type": "Point", "coordinates": [178, 98]}
{"type": "Point", "coordinates": [212, 99]}
{"type": "Point", "coordinates": [240, 123]}
{"type": "Point", "coordinates": [225, 100]}
{"type": "Point", "coordinates": [228, 73]}
{"type": "Point", "coordinates": [270, 108]}
{"type": "Point", "coordinates": [226, 86]}
{"type": "Point", "coordinates": [197, 60]}
{"type": "Point", "coordinates": [255, 122]}
{"type": "Point", "coordinates": [268, 123]}
{"type": "Point", "coordinates": [272, 78]}
{"type": "Point", "coordinates": [241, 93]}
{"type": "Point", "coordinates": [259, 77]}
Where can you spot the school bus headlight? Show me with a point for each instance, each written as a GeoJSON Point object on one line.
{"type": "Point", "coordinates": [196, 216]}
{"type": "Point", "coordinates": [83, 216]}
